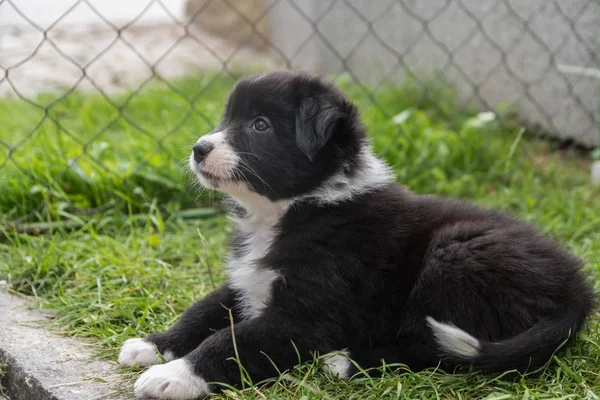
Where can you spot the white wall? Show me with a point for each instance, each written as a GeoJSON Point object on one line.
{"type": "Point", "coordinates": [512, 57]}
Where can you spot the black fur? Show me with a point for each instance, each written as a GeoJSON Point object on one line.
{"type": "Point", "coordinates": [364, 273]}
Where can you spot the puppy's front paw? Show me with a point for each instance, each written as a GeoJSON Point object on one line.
{"type": "Point", "coordinates": [138, 352]}
{"type": "Point", "coordinates": [173, 380]}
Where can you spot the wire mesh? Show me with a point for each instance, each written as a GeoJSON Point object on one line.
{"type": "Point", "coordinates": [373, 44]}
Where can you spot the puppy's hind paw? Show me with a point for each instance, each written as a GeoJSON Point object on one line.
{"type": "Point", "coordinates": [338, 364]}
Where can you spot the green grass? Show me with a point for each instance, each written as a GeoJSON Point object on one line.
{"type": "Point", "coordinates": [2, 373]}
{"type": "Point", "coordinates": [132, 268]}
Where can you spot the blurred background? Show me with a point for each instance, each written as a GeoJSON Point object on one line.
{"type": "Point", "coordinates": [99, 97]}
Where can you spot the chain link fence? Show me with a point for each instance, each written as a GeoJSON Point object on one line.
{"type": "Point", "coordinates": [100, 95]}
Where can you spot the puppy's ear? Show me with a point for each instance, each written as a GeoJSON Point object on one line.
{"type": "Point", "coordinates": [316, 122]}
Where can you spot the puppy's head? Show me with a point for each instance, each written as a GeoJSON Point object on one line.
{"type": "Point", "coordinates": [282, 135]}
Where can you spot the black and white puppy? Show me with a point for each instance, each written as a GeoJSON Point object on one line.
{"type": "Point", "coordinates": [331, 256]}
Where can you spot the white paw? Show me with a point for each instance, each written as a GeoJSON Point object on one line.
{"type": "Point", "coordinates": [173, 380]}
{"type": "Point", "coordinates": [138, 352]}
{"type": "Point", "coordinates": [338, 364]}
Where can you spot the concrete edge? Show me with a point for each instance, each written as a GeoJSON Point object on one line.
{"type": "Point", "coordinates": [42, 365]}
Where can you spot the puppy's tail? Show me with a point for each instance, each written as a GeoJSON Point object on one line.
{"type": "Point", "coordinates": [525, 351]}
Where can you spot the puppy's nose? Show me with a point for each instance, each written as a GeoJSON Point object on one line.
{"type": "Point", "coordinates": [201, 149]}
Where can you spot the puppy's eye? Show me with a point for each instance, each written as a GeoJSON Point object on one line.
{"type": "Point", "coordinates": [260, 125]}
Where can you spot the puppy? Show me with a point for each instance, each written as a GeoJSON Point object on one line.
{"type": "Point", "coordinates": [331, 255]}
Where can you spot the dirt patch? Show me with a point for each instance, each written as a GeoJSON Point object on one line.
{"type": "Point", "coordinates": [98, 57]}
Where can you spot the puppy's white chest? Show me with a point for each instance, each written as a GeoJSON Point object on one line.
{"type": "Point", "coordinates": [245, 275]}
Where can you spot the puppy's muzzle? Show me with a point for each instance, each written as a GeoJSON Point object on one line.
{"type": "Point", "coordinates": [201, 150]}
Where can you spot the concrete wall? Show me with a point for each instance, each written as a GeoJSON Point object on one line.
{"type": "Point", "coordinates": [241, 22]}
{"type": "Point", "coordinates": [496, 51]}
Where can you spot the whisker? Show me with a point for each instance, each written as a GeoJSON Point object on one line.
{"type": "Point", "coordinates": [252, 171]}
{"type": "Point", "coordinates": [250, 154]}
{"type": "Point", "coordinates": [184, 161]}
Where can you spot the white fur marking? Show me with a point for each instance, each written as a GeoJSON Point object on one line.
{"type": "Point", "coordinates": [138, 352]}
{"type": "Point", "coordinates": [244, 273]}
{"type": "Point", "coordinates": [371, 173]}
{"type": "Point", "coordinates": [338, 364]}
{"type": "Point", "coordinates": [169, 356]}
{"type": "Point", "coordinates": [453, 340]}
{"type": "Point", "coordinates": [173, 380]}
